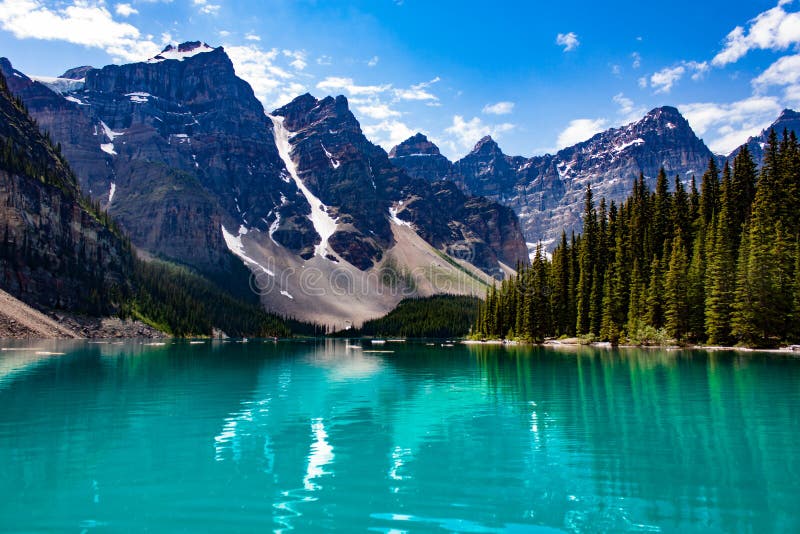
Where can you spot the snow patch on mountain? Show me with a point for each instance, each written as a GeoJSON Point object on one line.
{"type": "Point", "coordinates": [181, 52]}
{"type": "Point", "coordinates": [636, 142]}
{"type": "Point", "coordinates": [235, 245]}
{"type": "Point", "coordinates": [324, 224]}
{"type": "Point", "coordinates": [60, 85]}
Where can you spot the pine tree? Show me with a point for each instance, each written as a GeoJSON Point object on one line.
{"type": "Point", "coordinates": [697, 290]}
{"type": "Point", "coordinates": [586, 265]}
{"type": "Point", "coordinates": [743, 191]}
{"type": "Point", "coordinates": [721, 270]}
{"type": "Point", "coordinates": [655, 296]}
{"type": "Point", "coordinates": [709, 193]}
{"type": "Point", "coordinates": [676, 292]}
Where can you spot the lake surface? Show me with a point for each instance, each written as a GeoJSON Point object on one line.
{"type": "Point", "coordinates": [260, 437]}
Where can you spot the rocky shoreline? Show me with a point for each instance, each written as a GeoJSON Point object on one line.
{"type": "Point", "coordinates": [21, 321]}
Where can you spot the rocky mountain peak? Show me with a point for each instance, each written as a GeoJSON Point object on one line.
{"type": "Point", "coordinates": [77, 73]}
{"type": "Point", "coordinates": [182, 51]}
{"type": "Point", "coordinates": [788, 115]}
{"type": "Point", "coordinates": [663, 119]}
{"type": "Point", "coordinates": [332, 112]}
{"type": "Point", "coordinates": [14, 78]}
{"type": "Point", "coordinates": [416, 145]}
{"type": "Point", "coordinates": [487, 145]}
{"type": "Point", "coordinates": [788, 120]}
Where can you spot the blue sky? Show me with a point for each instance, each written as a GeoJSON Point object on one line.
{"type": "Point", "coordinates": [537, 76]}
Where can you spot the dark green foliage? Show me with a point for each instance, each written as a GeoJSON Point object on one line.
{"type": "Point", "coordinates": [720, 266]}
{"type": "Point", "coordinates": [440, 316]}
{"type": "Point", "coordinates": [183, 303]}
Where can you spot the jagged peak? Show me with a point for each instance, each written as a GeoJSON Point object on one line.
{"type": "Point", "coordinates": [486, 145]}
{"type": "Point", "coordinates": [9, 70]}
{"type": "Point", "coordinates": [306, 109]}
{"type": "Point", "coordinates": [182, 51]}
{"type": "Point", "coordinates": [416, 145]}
{"type": "Point", "coordinates": [788, 115]}
{"type": "Point", "coordinates": [665, 115]}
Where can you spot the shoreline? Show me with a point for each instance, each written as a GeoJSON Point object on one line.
{"type": "Point", "coordinates": [574, 342]}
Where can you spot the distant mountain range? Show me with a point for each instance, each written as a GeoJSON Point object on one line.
{"type": "Point", "coordinates": [331, 228]}
{"type": "Point", "coordinates": [182, 154]}
{"type": "Point", "coordinates": [547, 191]}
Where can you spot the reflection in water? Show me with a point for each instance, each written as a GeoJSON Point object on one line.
{"type": "Point", "coordinates": [320, 455]}
{"type": "Point", "coordinates": [313, 437]}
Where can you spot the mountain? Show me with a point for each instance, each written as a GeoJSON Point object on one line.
{"type": "Point", "coordinates": [420, 158]}
{"type": "Point", "coordinates": [788, 120]}
{"type": "Point", "coordinates": [57, 250]}
{"type": "Point", "coordinates": [181, 153]}
{"type": "Point", "coordinates": [547, 191]}
{"type": "Point", "coordinates": [367, 193]}
{"type": "Point", "coordinates": [62, 254]}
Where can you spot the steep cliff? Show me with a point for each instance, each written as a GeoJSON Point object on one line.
{"type": "Point", "coordinates": [57, 251]}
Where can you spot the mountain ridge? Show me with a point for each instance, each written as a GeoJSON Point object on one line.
{"type": "Point", "coordinates": [547, 191]}
{"type": "Point", "coordinates": [179, 150]}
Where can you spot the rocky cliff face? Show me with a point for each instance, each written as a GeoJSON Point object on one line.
{"type": "Point", "coordinates": [420, 159]}
{"type": "Point", "coordinates": [182, 154]}
{"type": "Point", "coordinates": [788, 120]}
{"type": "Point", "coordinates": [365, 192]}
{"type": "Point", "coordinates": [54, 251]}
{"type": "Point", "coordinates": [175, 148]}
{"type": "Point", "coordinates": [547, 191]}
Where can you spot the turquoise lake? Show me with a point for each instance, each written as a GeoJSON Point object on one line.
{"type": "Point", "coordinates": [310, 437]}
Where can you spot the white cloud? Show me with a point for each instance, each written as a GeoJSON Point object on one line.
{"type": "Point", "coordinates": [337, 84]}
{"type": "Point", "coordinates": [80, 23]}
{"type": "Point", "coordinates": [791, 96]}
{"type": "Point", "coordinates": [625, 104]}
{"type": "Point", "coordinates": [726, 126]}
{"type": "Point", "coordinates": [125, 10]}
{"type": "Point", "coordinates": [636, 58]}
{"type": "Point", "coordinates": [698, 68]}
{"type": "Point", "coordinates": [252, 37]}
{"type": "Point", "coordinates": [418, 91]}
{"type": "Point", "coordinates": [663, 80]}
{"type": "Point", "coordinates": [298, 58]}
{"type": "Point", "coordinates": [324, 60]}
{"type": "Point", "coordinates": [464, 134]}
{"type": "Point", "coordinates": [784, 71]}
{"type": "Point", "coordinates": [206, 8]}
{"type": "Point", "coordinates": [273, 84]}
{"type": "Point", "coordinates": [643, 82]}
{"type": "Point", "coordinates": [373, 61]}
{"type": "Point", "coordinates": [568, 40]}
{"type": "Point", "coordinates": [580, 130]}
{"type": "Point", "coordinates": [774, 29]}
{"type": "Point", "coordinates": [374, 109]}
{"type": "Point", "coordinates": [388, 133]}
{"type": "Point", "coordinates": [628, 111]}
{"type": "Point", "coordinates": [500, 108]}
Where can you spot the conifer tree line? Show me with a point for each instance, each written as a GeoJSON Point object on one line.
{"type": "Point", "coordinates": [718, 266]}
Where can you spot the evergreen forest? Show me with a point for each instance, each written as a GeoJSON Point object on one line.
{"type": "Point", "coordinates": [715, 266]}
